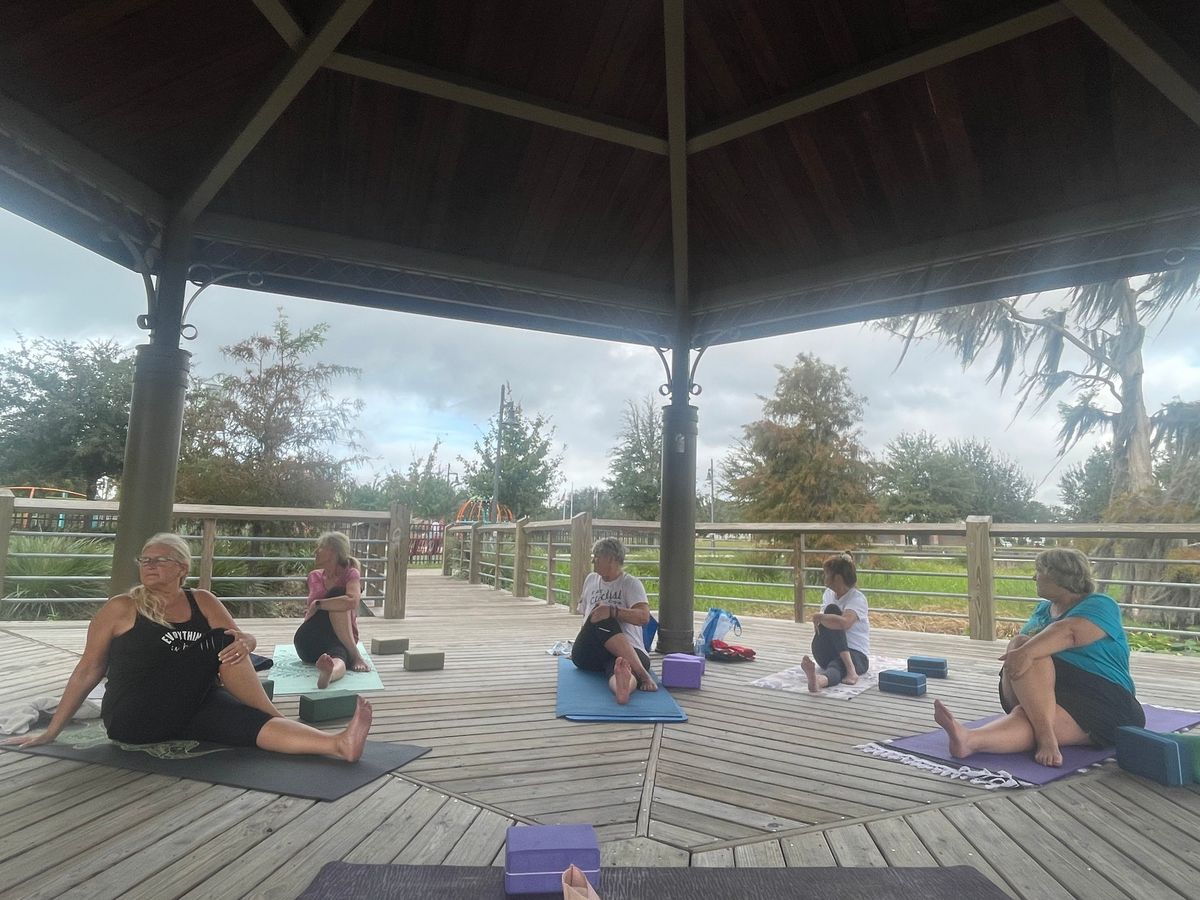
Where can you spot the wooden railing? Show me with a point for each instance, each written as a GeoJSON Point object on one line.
{"type": "Point", "coordinates": [984, 567]}
{"type": "Point", "coordinates": [243, 554]}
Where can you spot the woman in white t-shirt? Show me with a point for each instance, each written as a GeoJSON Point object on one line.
{"type": "Point", "coordinates": [614, 609]}
{"type": "Point", "coordinates": [842, 634]}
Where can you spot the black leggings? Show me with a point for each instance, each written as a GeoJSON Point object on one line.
{"type": "Point", "coordinates": [316, 636]}
{"type": "Point", "coordinates": [182, 702]}
{"type": "Point", "coordinates": [827, 646]}
{"type": "Point", "coordinates": [589, 653]}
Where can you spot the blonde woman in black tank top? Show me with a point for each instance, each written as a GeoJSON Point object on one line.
{"type": "Point", "coordinates": [164, 648]}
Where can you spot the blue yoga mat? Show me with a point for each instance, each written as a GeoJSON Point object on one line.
{"type": "Point", "coordinates": [585, 697]}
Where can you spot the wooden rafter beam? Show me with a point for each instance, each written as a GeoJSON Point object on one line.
{"type": "Point", "coordinates": [911, 61]}
{"type": "Point", "coordinates": [457, 89]}
{"type": "Point", "coordinates": [507, 103]}
{"type": "Point", "coordinates": [30, 129]}
{"type": "Point", "coordinates": [328, 245]}
{"type": "Point", "coordinates": [282, 87]}
{"type": "Point", "coordinates": [1146, 47]}
{"type": "Point", "coordinates": [673, 16]}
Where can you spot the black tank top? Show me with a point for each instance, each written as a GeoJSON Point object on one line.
{"type": "Point", "coordinates": [147, 649]}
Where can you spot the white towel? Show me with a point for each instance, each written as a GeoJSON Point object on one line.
{"type": "Point", "coordinates": [18, 718]}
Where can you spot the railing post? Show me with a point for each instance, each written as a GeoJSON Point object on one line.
{"type": "Point", "coordinates": [551, 566]}
{"type": "Point", "coordinates": [581, 555]}
{"type": "Point", "coordinates": [399, 547]}
{"type": "Point", "coordinates": [798, 579]}
{"type": "Point", "coordinates": [496, 557]}
{"type": "Point", "coordinates": [446, 550]}
{"type": "Point", "coordinates": [981, 596]}
{"type": "Point", "coordinates": [520, 587]}
{"type": "Point", "coordinates": [208, 549]}
{"type": "Point", "coordinates": [8, 506]}
{"type": "Point", "coordinates": [476, 545]}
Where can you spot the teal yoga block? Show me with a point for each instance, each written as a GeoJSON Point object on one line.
{"type": "Point", "coordinates": [424, 662]}
{"type": "Point", "coordinates": [388, 646]}
{"type": "Point", "coordinates": [929, 666]}
{"type": "Point", "coordinates": [1189, 752]}
{"type": "Point", "coordinates": [1152, 755]}
{"type": "Point", "coordinates": [898, 681]}
{"type": "Point", "coordinates": [269, 686]}
{"type": "Point", "coordinates": [327, 705]}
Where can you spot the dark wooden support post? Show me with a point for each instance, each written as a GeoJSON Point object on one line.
{"type": "Point", "coordinates": [399, 547]}
{"type": "Point", "coordinates": [160, 378]}
{"type": "Point", "coordinates": [581, 556]}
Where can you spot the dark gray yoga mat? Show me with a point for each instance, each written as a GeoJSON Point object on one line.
{"type": "Point", "coordinates": [348, 881]}
{"type": "Point", "coordinates": [312, 777]}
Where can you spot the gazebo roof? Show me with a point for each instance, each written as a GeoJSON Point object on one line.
{"type": "Point", "coordinates": [820, 161]}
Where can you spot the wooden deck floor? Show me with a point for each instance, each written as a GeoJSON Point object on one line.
{"type": "Point", "coordinates": [755, 778]}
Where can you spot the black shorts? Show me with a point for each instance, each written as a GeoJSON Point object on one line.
{"type": "Point", "coordinates": [316, 636]}
{"type": "Point", "coordinates": [1098, 706]}
{"type": "Point", "coordinates": [589, 653]}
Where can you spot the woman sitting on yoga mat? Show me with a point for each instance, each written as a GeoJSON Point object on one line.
{"type": "Point", "coordinates": [1065, 679]}
{"type": "Point", "coordinates": [163, 647]}
{"type": "Point", "coordinates": [841, 631]}
{"type": "Point", "coordinates": [329, 633]}
{"type": "Point", "coordinates": [614, 610]}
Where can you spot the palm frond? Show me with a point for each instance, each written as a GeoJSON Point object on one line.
{"type": "Point", "coordinates": [1080, 419]}
{"type": "Point", "coordinates": [1176, 428]}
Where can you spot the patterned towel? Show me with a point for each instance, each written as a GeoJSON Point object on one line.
{"type": "Point", "coordinates": [793, 679]}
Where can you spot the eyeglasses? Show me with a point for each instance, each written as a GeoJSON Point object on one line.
{"type": "Point", "coordinates": [145, 561]}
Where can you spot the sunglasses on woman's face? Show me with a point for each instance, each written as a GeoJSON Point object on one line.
{"type": "Point", "coordinates": [145, 561]}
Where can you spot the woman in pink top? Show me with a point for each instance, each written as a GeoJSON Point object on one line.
{"type": "Point", "coordinates": [328, 636]}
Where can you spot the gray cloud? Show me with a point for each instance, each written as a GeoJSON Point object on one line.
{"type": "Point", "coordinates": [425, 379]}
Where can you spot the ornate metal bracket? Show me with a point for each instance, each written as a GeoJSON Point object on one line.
{"type": "Point", "coordinates": [694, 389]}
{"type": "Point", "coordinates": [198, 275]}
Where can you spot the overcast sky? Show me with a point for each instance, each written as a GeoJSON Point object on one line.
{"type": "Point", "coordinates": [426, 378]}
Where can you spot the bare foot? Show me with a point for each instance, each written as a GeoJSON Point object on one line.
{"type": "Point", "coordinates": [850, 677]}
{"type": "Point", "coordinates": [647, 684]}
{"type": "Point", "coordinates": [960, 738]}
{"type": "Point", "coordinates": [359, 665]}
{"type": "Point", "coordinates": [816, 681]}
{"type": "Point", "coordinates": [622, 678]}
{"type": "Point", "coordinates": [324, 670]}
{"type": "Point", "coordinates": [350, 742]}
{"type": "Point", "coordinates": [1048, 753]}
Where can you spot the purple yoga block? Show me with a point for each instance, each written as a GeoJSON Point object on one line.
{"type": "Point", "coordinates": [682, 670]}
{"type": "Point", "coordinates": [535, 856]}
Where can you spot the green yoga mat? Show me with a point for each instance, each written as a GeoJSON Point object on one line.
{"type": "Point", "coordinates": [292, 676]}
{"type": "Point", "coordinates": [313, 777]}
{"type": "Point", "coordinates": [585, 697]}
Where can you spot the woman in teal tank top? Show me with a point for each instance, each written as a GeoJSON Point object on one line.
{"type": "Point", "coordinates": [1065, 679]}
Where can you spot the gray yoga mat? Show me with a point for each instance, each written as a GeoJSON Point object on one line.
{"type": "Point", "coordinates": [312, 777]}
{"type": "Point", "coordinates": [345, 881]}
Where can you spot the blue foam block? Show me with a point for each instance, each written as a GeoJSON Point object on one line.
{"type": "Point", "coordinates": [898, 681]}
{"type": "Point", "coordinates": [1151, 755]}
{"type": "Point", "coordinates": [931, 666]}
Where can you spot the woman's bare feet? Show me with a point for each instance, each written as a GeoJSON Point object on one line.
{"type": "Point", "coordinates": [816, 681]}
{"type": "Point", "coordinates": [623, 680]}
{"type": "Point", "coordinates": [324, 670]}
{"type": "Point", "coordinates": [359, 665]}
{"type": "Point", "coordinates": [351, 741]}
{"type": "Point", "coordinates": [850, 677]}
{"type": "Point", "coordinates": [1048, 753]}
{"type": "Point", "coordinates": [647, 684]}
{"type": "Point", "coordinates": [960, 737]}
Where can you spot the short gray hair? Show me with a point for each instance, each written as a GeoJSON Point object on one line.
{"type": "Point", "coordinates": [609, 547]}
{"type": "Point", "coordinates": [1068, 568]}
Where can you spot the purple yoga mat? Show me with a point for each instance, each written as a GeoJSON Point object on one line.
{"type": "Point", "coordinates": [935, 745]}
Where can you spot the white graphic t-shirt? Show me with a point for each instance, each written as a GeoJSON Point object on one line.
{"type": "Point", "coordinates": [858, 635]}
{"type": "Point", "coordinates": [624, 593]}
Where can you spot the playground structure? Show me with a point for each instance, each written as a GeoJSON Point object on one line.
{"type": "Point", "coordinates": [479, 509]}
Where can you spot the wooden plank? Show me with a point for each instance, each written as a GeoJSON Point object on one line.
{"type": "Point", "coordinates": [714, 859]}
{"type": "Point", "coordinates": [807, 850]}
{"type": "Point", "coordinates": [440, 834]}
{"type": "Point", "coordinates": [950, 848]}
{"type": "Point", "coordinates": [852, 845]}
{"type": "Point", "coordinates": [899, 843]}
{"type": "Point", "coordinates": [481, 842]}
{"type": "Point", "coordinates": [764, 854]}
{"type": "Point", "coordinates": [1023, 873]}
